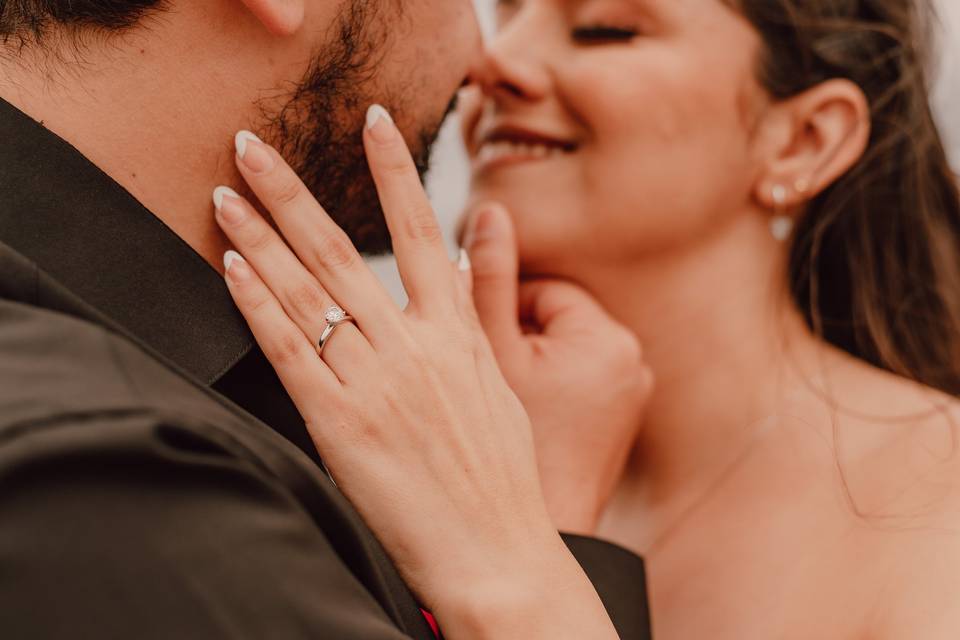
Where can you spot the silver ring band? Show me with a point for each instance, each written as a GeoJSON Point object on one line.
{"type": "Point", "coordinates": [335, 316]}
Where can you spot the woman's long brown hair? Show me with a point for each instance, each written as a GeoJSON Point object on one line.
{"type": "Point", "coordinates": [875, 263]}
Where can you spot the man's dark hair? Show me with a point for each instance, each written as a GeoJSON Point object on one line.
{"type": "Point", "coordinates": [30, 19]}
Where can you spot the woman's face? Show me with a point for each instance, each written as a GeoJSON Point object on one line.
{"type": "Point", "coordinates": [614, 129]}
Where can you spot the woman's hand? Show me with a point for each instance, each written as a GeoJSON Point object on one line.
{"type": "Point", "coordinates": [408, 409]}
{"type": "Point", "coordinates": [579, 373]}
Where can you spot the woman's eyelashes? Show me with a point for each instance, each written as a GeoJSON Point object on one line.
{"type": "Point", "coordinates": [599, 34]}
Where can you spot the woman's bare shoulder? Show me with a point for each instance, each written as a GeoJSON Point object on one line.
{"type": "Point", "coordinates": [909, 478]}
{"type": "Point", "coordinates": [882, 411]}
{"type": "Point", "coordinates": [896, 445]}
{"type": "Point", "coordinates": [905, 442]}
{"type": "Point", "coordinates": [921, 594]}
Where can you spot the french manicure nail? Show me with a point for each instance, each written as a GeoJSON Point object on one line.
{"type": "Point", "coordinates": [241, 139]}
{"type": "Point", "coordinates": [235, 266]}
{"type": "Point", "coordinates": [253, 152]}
{"type": "Point", "coordinates": [379, 123]}
{"type": "Point", "coordinates": [374, 113]}
{"type": "Point", "coordinates": [229, 257]}
{"type": "Point", "coordinates": [220, 192]}
{"type": "Point", "coordinates": [464, 263]}
{"type": "Point", "coordinates": [230, 211]}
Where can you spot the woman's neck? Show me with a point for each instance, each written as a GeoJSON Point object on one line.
{"type": "Point", "coordinates": [725, 343]}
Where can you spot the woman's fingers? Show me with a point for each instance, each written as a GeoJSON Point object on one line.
{"type": "Point", "coordinates": [560, 308]}
{"type": "Point", "coordinates": [317, 240]}
{"type": "Point", "coordinates": [349, 356]}
{"type": "Point", "coordinates": [311, 384]}
{"type": "Point", "coordinates": [302, 298]}
{"type": "Point", "coordinates": [298, 291]}
{"type": "Point", "coordinates": [417, 237]}
{"type": "Point", "coordinates": [493, 253]}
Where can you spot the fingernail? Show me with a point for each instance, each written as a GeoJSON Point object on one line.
{"type": "Point", "coordinates": [229, 207]}
{"type": "Point", "coordinates": [235, 266]}
{"type": "Point", "coordinates": [229, 257]}
{"type": "Point", "coordinates": [223, 192]}
{"type": "Point", "coordinates": [484, 226]}
{"type": "Point", "coordinates": [252, 152]}
{"type": "Point", "coordinates": [241, 139]}
{"type": "Point", "coordinates": [464, 263]}
{"type": "Point", "coordinates": [379, 123]}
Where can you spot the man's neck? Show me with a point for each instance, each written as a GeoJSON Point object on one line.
{"type": "Point", "coordinates": [159, 122]}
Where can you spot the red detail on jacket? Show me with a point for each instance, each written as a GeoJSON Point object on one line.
{"type": "Point", "coordinates": [432, 622]}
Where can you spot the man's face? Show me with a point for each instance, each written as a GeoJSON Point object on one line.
{"type": "Point", "coordinates": [410, 56]}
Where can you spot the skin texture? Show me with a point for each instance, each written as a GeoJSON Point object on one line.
{"type": "Point", "coordinates": [668, 202]}
{"type": "Point", "coordinates": [586, 383]}
{"type": "Point", "coordinates": [778, 488]}
{"type": "Point", "coordinates": [160, 103]}
{"type": "Point", "coordinates": [408, 408]}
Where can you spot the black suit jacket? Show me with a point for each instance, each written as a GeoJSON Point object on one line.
{"type": "Point", "coordinates": [142, 494]}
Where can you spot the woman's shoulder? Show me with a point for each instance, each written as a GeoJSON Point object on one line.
{"type": "Point", "coordinates": [920, 599]}
{"type": "Point", "coordinates": [919, 591]}
{"type": "Point", "coordinates": [905, 436]}
{"type": "Point", "coordinates": [901, 445]}
{"type": "Point", "coordinates": [887, 395]}
{"type": "Point", "coordinates": [881, 410]}
{"type": "Point", "coordinates": [895, 444]}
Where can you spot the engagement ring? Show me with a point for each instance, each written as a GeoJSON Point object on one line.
{"type": "Point", "coordinates": [335, 316]}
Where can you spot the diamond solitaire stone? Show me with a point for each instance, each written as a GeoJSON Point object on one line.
{"type": "Point", "coordinates": [334, 315]}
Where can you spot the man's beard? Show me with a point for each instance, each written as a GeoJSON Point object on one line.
{"type": "Point", "coordinates": [319, 129]}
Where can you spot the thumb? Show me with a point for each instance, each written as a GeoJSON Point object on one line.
{"type": "Point", "coordinates": [491, 245]}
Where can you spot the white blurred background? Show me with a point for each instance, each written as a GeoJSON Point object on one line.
{"type": "Point", "coordinates": [448, 180]}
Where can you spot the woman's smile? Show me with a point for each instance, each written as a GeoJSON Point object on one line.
{"type": "Point", "coordinates": [500, 145]}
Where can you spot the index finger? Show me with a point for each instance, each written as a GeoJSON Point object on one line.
{"type": "Point", "coordinates": [417, 238]}
{"type": "Point", "coordinates": [318, 241]}
{"type": "Point", "coordinates": [560, 307]}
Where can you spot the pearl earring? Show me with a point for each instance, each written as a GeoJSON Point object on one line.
{"type": "Point", "coordinates": [781, 225]}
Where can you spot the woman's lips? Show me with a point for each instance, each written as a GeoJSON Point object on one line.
{"type": "Point", "coordinates": [498, 153]}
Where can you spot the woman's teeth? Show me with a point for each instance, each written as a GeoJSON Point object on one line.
{"type": "Point", "coordinates": [491, 151]}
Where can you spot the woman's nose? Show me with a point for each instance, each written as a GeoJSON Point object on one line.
{"type": "Point", "coordinates": [512, 65]}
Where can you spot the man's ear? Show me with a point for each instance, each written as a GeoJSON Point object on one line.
{"type": "Point", "coordinates": [818, 136]}
{"type": "Point", "coordinates": [280, 17]}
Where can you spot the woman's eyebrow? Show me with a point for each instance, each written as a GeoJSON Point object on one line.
{"type": "Point", "coordinates": [647, 6]}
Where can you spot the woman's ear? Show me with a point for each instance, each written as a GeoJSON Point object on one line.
{"type": "Point", "coordinates": [280, 17]}
{"type": "Point", "coordinates": [821, 133]}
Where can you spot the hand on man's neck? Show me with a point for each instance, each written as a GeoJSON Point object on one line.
{"type": "Point", "coordinates": [157, 108]}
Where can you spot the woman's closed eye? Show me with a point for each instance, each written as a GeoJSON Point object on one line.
{"type": "Point", "coordinates": [600, 34]}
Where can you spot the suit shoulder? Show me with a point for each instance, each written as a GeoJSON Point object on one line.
{"type": "Point", "coordinates": [52, 363]}
{"type": "Point", "coordinates": [73, 389]}
{"type": "Point", "coordinates": [179, 524]}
